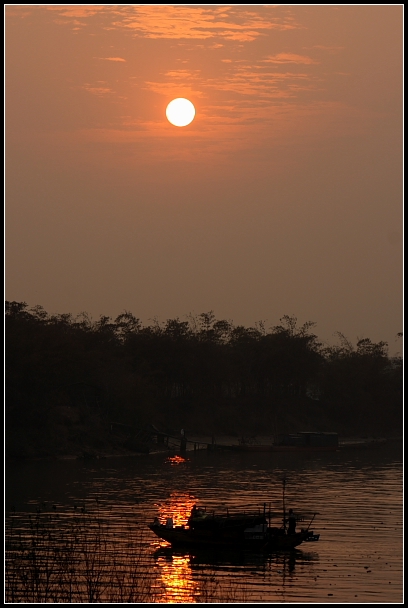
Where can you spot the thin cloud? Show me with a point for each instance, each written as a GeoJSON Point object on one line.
{"type": "Point", "coordinates": [73, 11]}
{"type": "Point", "coordinates": [290, 58]}
{"type": "Point", "coordinates": [101, 91]}
{"type": "Point", "coordinates": [111, 59]}
{"type": "Point", "coordinates": [183, 22]}
{"type": "Point", "coordinates": [200, 23]}
{"type": "Point", "coordinates": [244, 81]}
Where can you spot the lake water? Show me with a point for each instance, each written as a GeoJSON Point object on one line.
{"type": "Point", "coordinates": [358, 495]}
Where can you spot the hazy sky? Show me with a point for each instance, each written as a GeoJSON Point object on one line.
{"type": "Point", "coordinates": [283, 196]}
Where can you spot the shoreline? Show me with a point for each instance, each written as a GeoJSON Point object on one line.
{"type": "Point", "coordinates": [92, 455]}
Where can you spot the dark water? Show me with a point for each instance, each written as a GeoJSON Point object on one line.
{"type": "Point", "coordinates": [357, 494]}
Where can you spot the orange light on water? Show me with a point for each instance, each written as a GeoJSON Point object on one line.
{"type": "Point", "coordinates": [176, 459]}
{"type": "Point", "coordinates": [175, 570]}
{"type": "Point", "coordinates": [178, 507]}
{"type": "Point", "coordinates": [177, 580]}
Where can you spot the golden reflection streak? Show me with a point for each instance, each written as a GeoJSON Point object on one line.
{"type": "Point", "coordinates": [175, 570]}
{"type": "Point", "coordinates": [177, 459]}
{"type": "Point", "coordinates": [178, 507]}
{"type": "Point", "coordinates": [176, 577]}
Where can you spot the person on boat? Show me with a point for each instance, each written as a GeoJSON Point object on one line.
{"type": "Point", "coordinates": [156, 521]}
{"type": "Point", "coordinates": [291, 522]}
{"type": "Point", "coordinates": [195, 512]}
{"type": "Point", "coordinates": [169, 523]}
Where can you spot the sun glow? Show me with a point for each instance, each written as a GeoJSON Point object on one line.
{"type": "Point", "coordinates": [180, 112]}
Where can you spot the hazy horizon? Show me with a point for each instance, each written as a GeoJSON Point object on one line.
{"type": "Point", "coordinates": [284, 196]}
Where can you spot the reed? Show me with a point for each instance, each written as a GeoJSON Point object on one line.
{"type": "Point", "coordinates": [84, 557]}
{"type": "Point", "coordinates": [73, 559]}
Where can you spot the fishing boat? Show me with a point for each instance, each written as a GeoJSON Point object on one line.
{"type": "Point", "coordinates": [252, 531]}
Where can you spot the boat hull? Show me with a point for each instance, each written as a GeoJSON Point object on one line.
{"type": "Point", "coordinates": [269, 541]}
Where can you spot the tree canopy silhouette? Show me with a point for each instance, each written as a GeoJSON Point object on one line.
{"type": "Point", "coordinates": [68, 378]}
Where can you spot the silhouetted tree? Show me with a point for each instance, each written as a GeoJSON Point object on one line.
{"type": "Point", "coordinates": [203, 373]}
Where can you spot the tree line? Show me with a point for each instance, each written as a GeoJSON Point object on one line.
{"type": "Point", "coordinates": [68, 378]}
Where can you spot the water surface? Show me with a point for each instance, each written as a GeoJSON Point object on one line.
{"type": "Point", "coordinates": [357, 494]}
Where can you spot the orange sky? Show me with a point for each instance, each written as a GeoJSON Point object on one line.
{"type": "Point", "coordinates": [283, 196]}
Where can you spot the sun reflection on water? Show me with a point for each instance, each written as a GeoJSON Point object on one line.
{"type": "Point", "coordinates": [174, 460]}
{"type": "Point", "coordinates": [177, 580]}
{"type": "Point", "coordinates": [175, 570]}
{"type": "Point", "coordinates": [178, 506]}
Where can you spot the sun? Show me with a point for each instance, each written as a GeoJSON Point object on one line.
{"type": "Point", "coordinates": [180, 112]}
